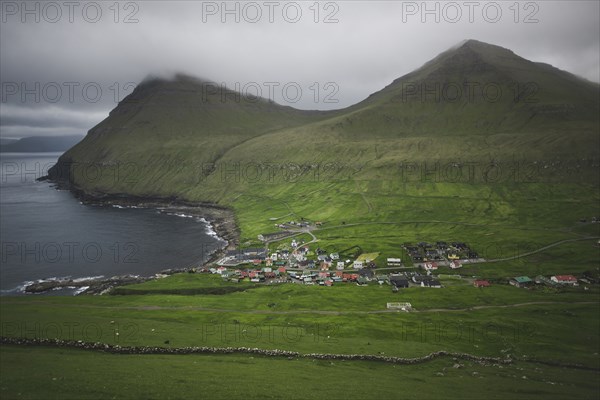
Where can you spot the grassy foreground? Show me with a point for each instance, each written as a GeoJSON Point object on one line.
{"type": "Point", "coordinates": [82, 375]}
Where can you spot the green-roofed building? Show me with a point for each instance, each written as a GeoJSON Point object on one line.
{"type": "Point", "coordinates": [521, 281]}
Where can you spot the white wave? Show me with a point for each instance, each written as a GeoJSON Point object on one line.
{"type": "Point", "coordinates": [81, 290]}
{"type": "Point", "coordinates": [87, 278]}
{"type": "Point", "coordinates": [182, 215]}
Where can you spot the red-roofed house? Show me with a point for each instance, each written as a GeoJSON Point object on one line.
{"type": "Point", "coordinates": [455, 264]}
{"type": "Point", "coordinates": [481, 283]}
{"type": "Point", "coordinates": [350, 277]}
{"type": "Point", "coordinates": [564, 279]}
{"type": "Point", "coordinates": [281, 270]}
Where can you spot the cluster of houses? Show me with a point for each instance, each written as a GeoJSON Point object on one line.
{"type": "Point", "coordinates": [431, 256]}
{"type": "Point", "coordinates": [553, 281]}
{"type": "Point", "coordinates": [293, 265]}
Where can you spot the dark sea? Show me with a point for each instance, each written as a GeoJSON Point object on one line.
{"type": "Point", "coordinates": [47, 233]}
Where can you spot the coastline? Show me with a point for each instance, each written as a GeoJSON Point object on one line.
{"type": "Point", "coordinates": [220, 220]}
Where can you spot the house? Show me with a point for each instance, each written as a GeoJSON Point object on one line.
{"type": "Point", "coordinates": [323, 274]}
{"type": "Point", "coordinates": [432, 283]}
{"type": "Point", "coordinates": [339, 274]}
{"type": "Point", "coordinates": [340, 265]}
{"type": "Point", "coordinates": [521, 281]}
{"type": "Point", "coordinates": [220, 270]}
{"type": "Point", "coordinates": [358, 264]}
{"type": "Point", "coordinates": [394, 262]}
{"type": "Point", "coordinates": [362, 281]}
{"type": "Point", "coordinates": [381, 279]}
{"type": "Point", "coordinates": [564, 279]}
{"type": "Point", "coordinates": [430, 266]}
{"type": "Point", "coordinates": [350, 277]}
{"type": "Point", "coordinates": [267, 269]}
{"type": "Point", "coordinates": [225, 275]}
{"type": "Point", "coordinates": [299, 257]}
{"type": "Point", "coordinates": [454, 264]}
{"type": "Point", "coordinates": [294, 243]}
{"type": "Point", "coordinates": [399, 281]}
{"type": "Point", "coordinates": [334, 256]}
{"type": "Point", "coordinates": [268, 262]}
{"type": "Point", "coordinates": [421, 278]}
{"type": "Point", "coordinates": [481, 283]}
{"type": "Point", "coordinates": [399, 306]}
{"type": "Point", "coordinates": [281, 270]}
{"type": "Point", "coordinates": [366, 272]}
{"type": "Point", "coordinates": [328, 282]}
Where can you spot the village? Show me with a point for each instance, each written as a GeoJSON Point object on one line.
{"type": "Point", "coordinates": [297, 262]}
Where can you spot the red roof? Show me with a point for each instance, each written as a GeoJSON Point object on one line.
{"type": "Point", "coordinates": [481, 283]}
{"type": "Point", "coordinates": [565, 278]}
{"type": "Point", "coordinates": [281, 269]}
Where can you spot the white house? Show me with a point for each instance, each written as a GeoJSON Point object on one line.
{"type": "Point", "coordinates": [394, 262]}
{"type": "Point", "coordinates": [340, 265]}
{"type": "Point", "coordinates": [430, 266]}
{"type": "Point", "coordinates": [358, 264]}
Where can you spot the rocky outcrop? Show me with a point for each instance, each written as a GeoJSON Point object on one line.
{"type": "Point", "coordinates": [92, 285]}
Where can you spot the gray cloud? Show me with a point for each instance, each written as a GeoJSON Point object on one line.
{"type": "Point", "coordinates": [371, 44]}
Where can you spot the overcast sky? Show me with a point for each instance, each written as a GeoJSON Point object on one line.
{"type": "Point", "coordinates": [64, 66]}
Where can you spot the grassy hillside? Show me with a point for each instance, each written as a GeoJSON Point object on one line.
{"type": "Point", "coordinates": [474, 104]}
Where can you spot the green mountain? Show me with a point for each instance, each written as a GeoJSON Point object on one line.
{"type": "Point", "coordinates": [473, 104]}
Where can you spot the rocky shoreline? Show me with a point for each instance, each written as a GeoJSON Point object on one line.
{"type": "Point", "coordinates": [221, 220]}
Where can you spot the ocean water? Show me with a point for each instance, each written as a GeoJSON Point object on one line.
{"type": "Point", "coordinates": [47, 233]}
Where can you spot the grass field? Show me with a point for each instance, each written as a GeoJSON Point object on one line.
{"type": "Point", "coordinates": [499, 222]}
{"type": "Point", "coordinates": [78, 374]}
